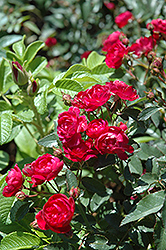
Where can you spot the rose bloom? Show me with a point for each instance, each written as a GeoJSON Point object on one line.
{"type": "Point", "coordinates": [110, 6]}
{"type": "Point", "coordinates": [158, 25]}
{"type": "Point", "coordinates": [50, 41]}
{"type": "Point", "coordinates": [85, 54]}
{"type": "Point", "coordinates": [122, 90]}
{"type": "Point", "coordinates": [114, 141]}
{"type": "Point", "coordinates": [78, 150]}
{"type": "Point", "coordinates": [45, 168]}
{"type": "Point", "coordinates": [112, 39]}
{"type": "Point", "coordinates": [14, 181]}
{"type": "Point", "coordinates": [114, 57]}
{"type": "Point", "coordinates": [143, 45]}
{"type": "Point", "coordinates": [93, 98]}
{"type": "Point", "coordinates": [69, 123]}
{"type": "Point", "coordinates": [96, 128]}
{"type": "Point", "coordinates": [122, 19]}
{"type": "Point", "coordinates": [56, 214]}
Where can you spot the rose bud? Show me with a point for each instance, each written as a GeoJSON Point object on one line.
{"type": "Point", "coordinates": [58, 152]}
{"type": "Point", "coordinates": [67, 99]}
{"type": "Point", "coordinates": [56, 214]}
{"type": "Point", "coordinates": [20, 195]}
{"type": "Point", "coordinates": [32, 88]}
{"type": "Point", "coordinates": [34, 224]}
{"type": "Point", "coordinates": [20, 76]}
{"type": "Point", "coordinates": [14, 181]}
{"type": "Point", "coordinates": [74, 192]}
{"type": "Point", "coordinates": [50, 41]}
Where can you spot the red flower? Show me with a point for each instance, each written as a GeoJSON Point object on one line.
{"type": "Point", "coordinates": [143, 45]}
{"type": "Point", "coordinates": [122, 19]}
{"type": "Point", "coordinates": [112, 39]}
{"type": "Point", "coordinates": [110, 6]}
{"type": "Point", "coordinates": [50, 41]}
{"type": "Point", "coordinates": [157, 25]}
{"type": "Point", "coordinates": [114, 57]}
{"type": "Point", "coordinates": [96, 128]}
{"type": "Point", "coordinates": [93, 98]}
{"type": "Point", "coordinates": [85, 54]}
{"type": "Point", "coordinates": [69, 123]}
{"type": "Point", "coordinates": [14, 181]}
{"type": "Point", "coordinates": [114, 141]}
{"type": "Point", "coordinates": [123, 90]}
{"type": "Point", "coordinates": [78, 150]}
{"type": "Point", "coordinates": [56, 214]}
{"type": "Point", "coordinates": [45, 168]}
{"type": "Point", "coordinates": [20, 76]}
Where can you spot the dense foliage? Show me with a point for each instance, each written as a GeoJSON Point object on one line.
{"type": "Point", "coordinates": [82, 96]}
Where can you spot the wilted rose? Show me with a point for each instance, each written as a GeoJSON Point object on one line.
{"type": "Point", "coordinates": [56, 214]}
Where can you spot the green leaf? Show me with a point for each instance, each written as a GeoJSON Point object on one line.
{"type": "Point", "coordinates": [2, 72]}
{"type": "Point", "coordinates": [76, 68]}
{"type": "Point", "coordinates": [4, 106]}
{"type": "Point", "coordinates": [68, 84]}
{"type": "Point", "coordinates": [150, 204]}
{"type": "Point", "coordinates": [143, 139]}
{"type": "Point", "coordinates": [32, 26]}
{"type": "Point", "coordinates": [97, 201]}
{"type": "Point", "coordinates": [9, 40]}
{"type": "Point", "coordinates": [49, 141]}
{"type": "Point", "coordinates": [19, 48]}
{"type": "Point", "coordinates": [102, 69]}
{"type": "Point", "coordinates": [19, 210]}
{"type": "Point", "coordinates": [37, 65]}
{"type": "Point", "coordinates": [4, 159]}
{"type": "Point", "coordinates": [71, 179]}
{"type": "Point", "coordinates": [100, 243]}
{"type": "Point", "coordinates": [31, 51]}
{"type": "Point", "coordinates": [25, 116]}
{"type": "Point", "coordinates": [95, 186]}
{"type": "Point", "coordinates": [164, 214]}
{"type": "Point", "coordinates": [41, 102]}
{"type": "Point", "coordinates": [25, 142]}
{"type": "Point", "coordinates": [13, 57]}
{"type": "Point", "coordinates": [19, 240]}
{"type": "Point", "coordinates": [5, 206]}
{"type": "Point", "coordinates": [148, 112]}
{"type": "Point", "coordinates": [5, 126]}
{"type": "Point", "coordinates": [135, 165]}
{"type": "Point", "coordinates": [94, 59]}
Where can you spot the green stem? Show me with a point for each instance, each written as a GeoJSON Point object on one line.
{"type": "Point", "coordinates": [84, 216]}
{"type": "Point", "coordinates": [5, 98]}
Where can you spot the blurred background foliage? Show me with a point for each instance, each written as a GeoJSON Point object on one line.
{"type": "Point", "coordinates": [78, 25]}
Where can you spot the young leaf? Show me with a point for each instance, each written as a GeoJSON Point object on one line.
{"type": "Point", "coordinates": [94, 59]}
{"type": "Point", "coordinates": [152, 203]}
{"type": "Point", "coordinates": [76, 68]}
{"type": "Point", "coordinates": [148, 112]}
{"type": "Point", "coordinates": [71, 179]}
{"type": "Point", "coordinates": [31, 51]}
{"type": "Point", "coordinates": [19, 48]}
{"type": "Point", "coordinates": [5, 126]}
{"type": "Point", "coordinates": [37, 65]}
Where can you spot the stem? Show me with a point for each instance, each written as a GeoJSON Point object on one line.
{"type": "Point", "coordinates": [5, 98]}
{"type": "Point", "coordinates": [84, 215]}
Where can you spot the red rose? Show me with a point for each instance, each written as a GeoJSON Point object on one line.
{"type": "Point", "coordinates": [69, 123]}
{"type": "Point", "coordinates": [143, 45]}
{"type": "Point", "coordinates": [56, 214]}
{"type": "Point", "coordinates": [110, 6]}
{"type": "Point", "coordinates": [78, 150]}
{"type": "Point", "coordinates": [50, 41]}
{"type": "Point", "coordinates": [122, 19]}
{"type": "Point", "coordinates": [157, 25]}
{"type": "Point", "coordinates": [112, 39]}
{"type": "Point", "coordinates": [123, 90]}
{"type": "Point", "coordinates": [114, 141]}
{"type": "Point", "coordinates": [96, 128]}
{"type": "Point", "coordinates": [114, 57]}
{"type": "Point", "coordinates": [93, 98]}
{"type": "Point", "coordinates": [14, 181]}
{"type": "Point", "coordinates": [45, 168]}
{"type": "Point", "coordinates": [85, 54]}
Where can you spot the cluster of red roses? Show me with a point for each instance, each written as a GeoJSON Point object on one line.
{"type": "Point", "coordinates": [116, 43]}
{"type": "Point", "coordinates": [58, 210]}
{"type": "Point", "coordinates": [82, 140]}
